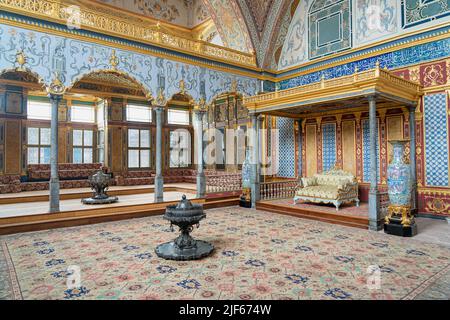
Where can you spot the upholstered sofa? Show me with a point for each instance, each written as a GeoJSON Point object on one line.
{"type": "Point", "coordinates": [335, 186]}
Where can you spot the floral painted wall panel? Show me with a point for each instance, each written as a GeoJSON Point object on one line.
{"type": "Point", "coordinates": [372, 21]}
{"type": "Point", "coordinates": [375, 19]}
{"type": "Point", "coordinates": [73, 59]}
{"type": "Point", "coordinates": [295, 49]}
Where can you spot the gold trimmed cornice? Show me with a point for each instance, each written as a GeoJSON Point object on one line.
{"type": "Point", "coordinates": [126, 27]}
{"type": "Point", "coordinates": [356, 85]}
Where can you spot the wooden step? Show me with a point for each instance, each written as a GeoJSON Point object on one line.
{"type": "Point", "coordinates": [341, 219]}
{"type": "Point", "coordinates": [68, 195]}
{"type": "Point", "coordinates": [92, 216]}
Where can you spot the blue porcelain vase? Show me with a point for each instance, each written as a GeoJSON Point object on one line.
{"type": "Point", "coordinates": [246, 170]}
{"type": "Point", "coordinates": [399, 176]}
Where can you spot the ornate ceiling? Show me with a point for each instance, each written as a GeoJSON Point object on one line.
{"type": "Point", "coordinates": [258, 26]}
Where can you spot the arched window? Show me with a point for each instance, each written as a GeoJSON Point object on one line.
{"type": "Point", "coordinates": [330, 27]}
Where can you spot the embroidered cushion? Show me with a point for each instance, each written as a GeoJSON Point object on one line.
{"type": "Point", "coordinates": [309, 182]}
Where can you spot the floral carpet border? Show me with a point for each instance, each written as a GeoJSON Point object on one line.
{"type": "Point", "coordinates": [8, 279]}
{"type": "Point", "coordinates": [427, 284]}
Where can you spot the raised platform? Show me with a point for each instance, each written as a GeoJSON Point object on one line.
{"type": "Point", "coordinates": [26, 212]}
{"type": "Point", "coordinates": [348, 215]}
{"type": "Point", "coordinates": [66, 194]}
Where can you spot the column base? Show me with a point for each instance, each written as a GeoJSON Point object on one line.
{"type": "Point", "coordinates": [375, 225]}
{"type": "Point", "coordinates": [159, 189]}
{"type": "Point", "coordinates": [375, 218]}
{"type": "Point", "coordinates": [54, 195]}
{"type": "Point", "coordinates": [201, 185]}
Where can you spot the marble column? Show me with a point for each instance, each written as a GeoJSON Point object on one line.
{"type": "Point", "coordinates": [261, 155]}
{"type": "Point", "coordinates": [412, 156]}
{"type": "Point", "coordinates": [159, 180]}
{"type": "Point", "coordinates": [255, 160]}
{"type": "Point", "coordinates": [375, 218]}
{"type": "Point", "coordinates": [54, 176]}
{"type": "Point", "coordinates": [201, 179]}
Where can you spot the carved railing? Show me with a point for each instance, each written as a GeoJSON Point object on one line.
{"type": "Point", "coordinates": [103, 20]}
{"type": "Point", "coordinates": [277, 190]}
{"type": "Point", "coordinates": [223, 183]}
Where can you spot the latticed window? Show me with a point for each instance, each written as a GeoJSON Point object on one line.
{"type": "Point", "coordinates": [38, 146]}
{"type": "Point", "coordinates": [138, 148]}
{"type": "Point", "coordinates": [83, 146]}
{"type": "Point", "coordinates": [180, 142]}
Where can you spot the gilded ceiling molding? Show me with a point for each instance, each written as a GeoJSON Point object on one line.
{"type": "Point", "coordinates": [127, 27]}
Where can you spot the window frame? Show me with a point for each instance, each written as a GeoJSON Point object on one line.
{"type": "Point", "coordinates": [139, 149]}
{"type": "Point", "coordinates": [180, 149]}
{"type": "Point", "coordinates": [40, 102]}
{"type": "Point", "coordinates": [83, 146]}
{"type": "Point", "coordinates": [74, 106]}
{"type": "Point", "coordinates": [140, 106]}
{"type": "Point", "coordinates": [169, 110]}
{"type": "Point", "coordinates": [39, 146]}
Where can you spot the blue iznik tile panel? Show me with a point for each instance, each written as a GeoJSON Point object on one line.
{"type": "Point", "coordinates": [392, 60]}
{"type": "Point", "coordinates": [416, 12]}
{"type": "Point", "coordinates": [286, 145]}
{"type": "Point", "coordinates": [73, 59]}
{"type": "Point", "coordinates": [366, 150]}
{"type": "Point", "coordinates": [436, 143]}
{"type": "Point", "coordinates": [330, 27]}
{"type": "Point", "coordinates": [328, 146]}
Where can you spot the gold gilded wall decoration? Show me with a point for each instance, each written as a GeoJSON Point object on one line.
{"type": "Point", "coordinates": [21, 60]}
{"type": "Point", "coordinates": [438, 205]}
{"type": "Point", "coordinates": [56, 87]}
{"type": "Point", "coordinates": [113, 60]}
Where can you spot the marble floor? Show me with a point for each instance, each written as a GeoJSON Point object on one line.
{"type": "Point", "coordinates": [433, 231]}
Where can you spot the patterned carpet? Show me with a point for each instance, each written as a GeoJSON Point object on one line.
{"type": "Point", "coordinates": [258, 255]}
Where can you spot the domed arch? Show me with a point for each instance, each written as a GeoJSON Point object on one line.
{"type": "Point", "coordinates": [24, 75]}
{"type": "Point", "coordinates": [114, 76]}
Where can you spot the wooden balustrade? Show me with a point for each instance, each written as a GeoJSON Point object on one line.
{"type": "Point", "coordinates": [277, 190]}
